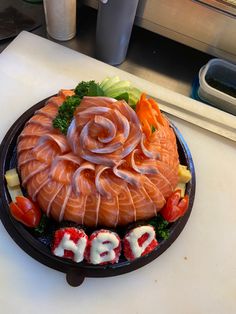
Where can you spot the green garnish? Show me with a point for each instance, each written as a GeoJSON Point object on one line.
{"type": "Point", "coordinates": [67, 109]}
{"type": "Point", "coordinates": [65, 113]}
{"type": "Point", "coordinates": [124, 96]}
{"type": "Point", "coordinates": [153, 128]}
{"type": "Point", "coordinates": [133, 106]}
{"type": "Point", "coordinates": [90, 88]}
{"type": "Point", "coordinates": [161, 226]}
{"type": "Point", "coordinates": [42, 224]}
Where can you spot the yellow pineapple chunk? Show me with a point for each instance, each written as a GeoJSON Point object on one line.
{"type": "Point", "coordinates": [184, 174]}
{"type": "Point", "coordinates": [182, 187]}
{"type": "Point", "coordinates": [12, 177]}
{"type": "Point", "coordinates": [14, 191]}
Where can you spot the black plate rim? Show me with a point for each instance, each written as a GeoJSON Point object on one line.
{"type": "Point", "coordinates": [34, 248]}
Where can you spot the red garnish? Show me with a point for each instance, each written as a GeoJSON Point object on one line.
{"type": "Point", "coordinates": [26, 211]}
{"type": "Point", "coordinates": [175, 207]}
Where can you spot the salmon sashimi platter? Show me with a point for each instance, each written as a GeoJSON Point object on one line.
{"type": "Point", "coordinates": [98, 177]}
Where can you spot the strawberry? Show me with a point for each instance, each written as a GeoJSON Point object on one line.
{"type": "Point", "coordinates": [139, 242]}
{"type": "Point", "coordinates": [104, 247]}
{"type": "Point", "coordinates": [70, 243]}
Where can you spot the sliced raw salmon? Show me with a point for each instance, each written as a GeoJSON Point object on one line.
{"type": "Point", "coordinates": [56, 100]}
{"type": "Point", "coordinates": [47, 195]}
{"type": "Point", "coordinates": [30, 169]}
{"type": "Point", "coordinates": [66, 93]}
{"type": "Point", "coordinates": [50, 110]}
{"type": "Point", "coordinates": [45, 151]}
{"type": "Point", "coordinates": [143, 205]}
{"type": "Point", "coordinates": [105, 172]}
{"type": "Point", "coordinates": [75, 208]}
{"type": "Point", "coordinates": [108, 214]}
{"type": "Point", "coordinates": [24, 157]}
{"type": "Point", "coordinates": [92, 210]}
{"type": "Point", "coordinates": [36, 183]}
{"type": "Point", "coordinates": [162, 183]}
{"type": "Point", "coordinates": [154, 192]}
{"type": "Point", "coordinates": [58, 206]}
{"type": "Point", "coordinates": [62, 171]}
{"type": "Point", "coordinates": [127, 211]}
{"type": "Point", "coordinates": [33, 130]}
{"type": "Point", "coordinates": [42, 120]}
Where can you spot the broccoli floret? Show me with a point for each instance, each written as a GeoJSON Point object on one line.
{"type": "Point", "coordinates": [90, 88]}
{"type": "Point", "coordinates": [161, 226]}
{"type": "Point", "coordinates": [65, 113]}
{"type": "Point", "coordinates": [67, 109]}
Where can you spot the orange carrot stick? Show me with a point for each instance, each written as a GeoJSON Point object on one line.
{"type": "Point", "coordinates": [149, 114]}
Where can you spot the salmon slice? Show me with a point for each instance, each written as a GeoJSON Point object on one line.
{"type": "Point", "coordinates": [128, 112]}
{"type": "Point", "coordinates": [103, 129]}
{"type": "Point", "coordinates": [75, 208]}
{"type": "Point", "coordinates": [170, 159]}
{"type": "Point", "coordinates": [88, 102]}
{"type": "Point", "coordinates": [42, 120]}
{"type": "Point", "coordinates": [50, 110]}
{"type": "Point", "coordinates": [140, 164]}
{"type": "Point", "coordinates": [27, 143]}
{"type": "Point", "coordinates": [91, 210]}
{"type": "Point", "coordinates": [56, 100]}
{"type": "Point", "coordinates": [127, 211]}
{"type": "Point", "coordinates": [168, 172]}
{"type": "Point", "coordinates": [35, 183]}
{"type": "Point", "coordinates": [45, 152]}
{"type": "Point", "coordinates": [30, 169]}
{"type": "Point", "coordinates": [127, 174]}
{"type": "Point", "coordinates": [66, 93]}
{"type": "Point", "coordinates": [154, 193]}
{"type": "Point", "coordinates": [62, 171]}
{"type": "Point", "coordinates": [47, 194]}
{"type": "Point", "coordinates": [167, 141]}
{"type": "Point", "coordinates": [58, 206]}
{"type": "Point", "coordinates": [150, 150]}
{"type": "Point", "coordinates": [162, 183]}
{"type": "Point", "coordinates": [71, 157]}
{"type": "Point", "coordinates": [24, 157]}
{"type": "Point", "coordinates": [108, 212]}
{"type": "Point", "coordinates": [144, 207]}
{"type": "Point", "coordinates": [107, 184]}
{"type": "Point", "coordinates": [83, 180]}
{"type": "Point", "coordinates": [33, 130]}
{"type": "Point", "coordinates": [58, 139]}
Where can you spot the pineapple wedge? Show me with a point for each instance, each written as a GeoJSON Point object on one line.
{"type": "Point", "coordinates": [184, 174]}
{"type": "Point", "coordinates": [12, 177]}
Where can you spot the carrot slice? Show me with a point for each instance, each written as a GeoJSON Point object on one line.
{"type": "Point", "coordinates": [149, 114]}
{"type": "Point", "coordinates": [66, 92]}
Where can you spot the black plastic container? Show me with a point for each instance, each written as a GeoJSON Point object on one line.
{"type": "Point", "coordinates": [75, 273]}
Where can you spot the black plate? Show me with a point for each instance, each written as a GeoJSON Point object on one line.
{"type": "Point", "coordinates": [77, 272]}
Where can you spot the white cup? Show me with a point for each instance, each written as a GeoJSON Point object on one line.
{"type": "Point", "coordinates": [60, 18]}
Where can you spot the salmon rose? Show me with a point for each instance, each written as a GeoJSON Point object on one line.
{"type": "Point", "coordinates": [104, 132]}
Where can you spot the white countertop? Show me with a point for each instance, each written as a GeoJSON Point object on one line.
{"type": "Point", "coordinates": [197, 274]}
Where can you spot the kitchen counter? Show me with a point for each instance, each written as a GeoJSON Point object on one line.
{"type": "Point", "coordinates": [196, 275]}
{"type": "Point", "coordinates": [150, 56]}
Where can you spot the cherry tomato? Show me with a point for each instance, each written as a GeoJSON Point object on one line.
{"type": "Point", "coordinates": [26, 211]}
{"type": "Point", "coordinates": [175, 207]}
